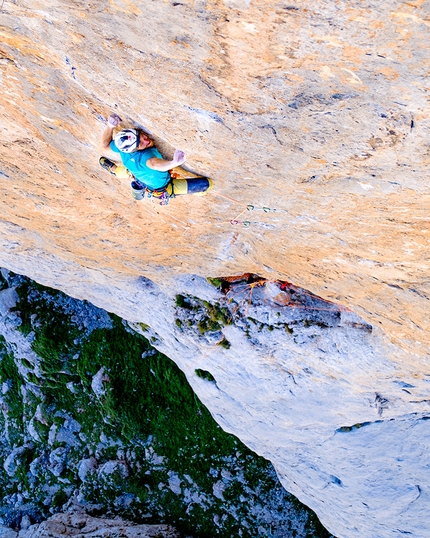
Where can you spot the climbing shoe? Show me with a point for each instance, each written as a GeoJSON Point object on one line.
{"type": "Point", "coordinates": [107, 164]}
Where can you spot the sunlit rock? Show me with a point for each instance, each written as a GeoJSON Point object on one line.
{"type": "Point", "coordinates": [313, 121]}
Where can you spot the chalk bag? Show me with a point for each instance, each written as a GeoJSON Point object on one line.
{"type": "Point", "coordinates": [138, 190]}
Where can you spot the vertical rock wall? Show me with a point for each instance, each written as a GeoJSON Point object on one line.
{"type": "Point", "coordinates": [319, 113]}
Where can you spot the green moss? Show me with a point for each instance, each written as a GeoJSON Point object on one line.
{"type": "Point", "coordinates": [212, 316]}
{"type": "Point", "coordinates": [208, 325]}
{"type": "Point", "coordinates": [55, 334]}
{"type": "Point", "coordinates": [146, 405]}
{"type": "Point", "coordinates": [26, 363]}
{"type": "Point", "coordinates": [311, 322]}
{"type": "Point", "coordinates": [221, 315]}
{"type": "Point", "coordinates": [42, 430]}
{"type": "Point", "coordinates": [183, 302]}
{"type": "Point", "coordinates": [202, 326]}
{"type": "Point", "coordinates": [12, 399]}
{"type": "Point", "coordinates": [345, 429]}
{"type": "Point", "coordinates": [216, 282]}
{"type": "Point", "coordinates": [32, 378]}
{"type": "Point", "coordinates": [59, 499]}
{"type": "Point", "coordinates": [224, 343]}
{"type": "Point", "coordinates": [204, 374]}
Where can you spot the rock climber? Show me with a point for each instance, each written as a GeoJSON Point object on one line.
{"type": "Point", "coordinates": [140, 158]}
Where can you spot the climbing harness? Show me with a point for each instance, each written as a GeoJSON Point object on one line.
{"type": "Point", "coordinates": [161, 195]}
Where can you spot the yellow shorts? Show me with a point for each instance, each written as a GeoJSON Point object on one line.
{"type": "Point", "coordinates": [122, 172]}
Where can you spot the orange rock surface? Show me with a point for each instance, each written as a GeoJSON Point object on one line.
{"type": "Point", "coordinates": [318, 112]}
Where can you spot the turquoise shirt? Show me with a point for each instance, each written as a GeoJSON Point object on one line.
{"type": "Point", "coordinates": [135, 162]}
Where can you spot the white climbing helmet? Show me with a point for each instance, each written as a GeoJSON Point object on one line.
{"type": "Point", "coordinates": [127, 140]}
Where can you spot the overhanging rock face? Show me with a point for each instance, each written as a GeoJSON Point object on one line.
{"type": "Point", "coordinates": [304, 382]}
{"type": "Point", "coordinates": [318, 113]}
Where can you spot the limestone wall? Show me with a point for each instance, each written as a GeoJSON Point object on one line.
{"type": "Point", "coordinates": [319, 111]}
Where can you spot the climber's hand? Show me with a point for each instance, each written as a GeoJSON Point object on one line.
{"type": "Point", "coordinates": [179, 157]}
{"type": "Point", "coordinates": [114, 120]}
{"type": "Point", "coordinates": [162, 165]}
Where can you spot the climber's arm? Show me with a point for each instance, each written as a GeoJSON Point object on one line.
{"type": "Point", "coordinates": [107, 135]}
{"type": "Point", "coordinates": [162, 165]}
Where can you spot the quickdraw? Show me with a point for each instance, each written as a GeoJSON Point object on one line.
{"type": "Point", "coordinates": [160, 194]}
{"type": "Point", "coordinates": [247, 223]}
{"type": "Point", "coordinates": [251, 207]}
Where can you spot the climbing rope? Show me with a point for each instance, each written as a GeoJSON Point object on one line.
{"type": "Point", "coordinates": [250, 207]}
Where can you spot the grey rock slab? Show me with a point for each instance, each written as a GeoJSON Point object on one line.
{"type": "Point", "coordinates": [86, 466]}
{"type": "Point", "coordinates": [13, 460]}
{"type": "Point", "coordinates": [81, 525]}
{"type": "Point", "coordinates": [6, 532]}
{"type": "Point", "coordinates": [114, 466]}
